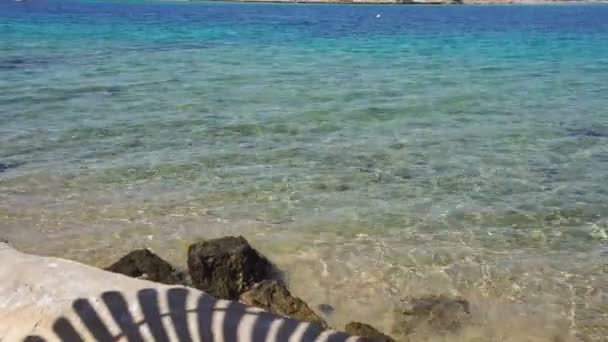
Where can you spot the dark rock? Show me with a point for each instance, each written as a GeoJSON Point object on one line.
{"type": "Point", "coordinates": [368, 332]}
{"type": "Point", "coordinates": [326, 309]}
{"type": "Point", "coordinates": [439, 313]}
{"type": "Point", "coordinates": [397, 146]}
{"type": "Point", "coordinates": [144, 264]}
{"type": "Point", "coordinates": [588, 132]}
{"type": "Point", "coordinates": [273, 295]}
{"type": "Point", "coordinates": [227, 267]}
{"type": "Point", "coordinates": [320, 186]}
{"type": "Point", "coordinates": [7, 166]}
{"type": "Point", "coordinates": [11, 63]}
{"type": "Point", "coordinates": [343, 187]}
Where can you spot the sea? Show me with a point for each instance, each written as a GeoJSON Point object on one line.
{"type": "Point", "coordinates": [375, 153]}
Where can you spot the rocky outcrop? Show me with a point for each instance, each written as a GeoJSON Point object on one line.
{"type": "Point", "coordinates": [51, 299]}
{"type": "Point", "coordinates": [227, 267]}
{"type": "Point", "coordinates": [274, 296]}
{"type": "Point", "coordinates": [437, 313]}
{"type": "Point", "coordinates": [143, 264]}
{"type": "Point", "coordinates": [54, 297]}
{"type": "Point", "coordinates": [367, 331]}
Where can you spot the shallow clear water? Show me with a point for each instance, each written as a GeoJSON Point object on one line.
{"type": "Point", "coordinates": [442, 149]}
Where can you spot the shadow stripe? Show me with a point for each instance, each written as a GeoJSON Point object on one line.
{"type": "Point", "coordinates": [148, 300]}
{"type": "Point", "coordinates": [339, 336]}
{"type": "Point", "coordinates": [119, 310]}
{"type": "Point", "coordinates": [205, 305]}
{"type": "Point", "coordinates": [287, 329]}
{"type": "Point", "coordinates": [312, 332]}
{"type": "Point", "coordinates": [234, 313]}
{"type": "Point", "coordinates": [261, 328]}
{"type": "Point", "coordinates": [91, 320]}
{"type": "Point", "coordinates": [65, 331]}
{"type": "Point", "coordinates": [177, 299]}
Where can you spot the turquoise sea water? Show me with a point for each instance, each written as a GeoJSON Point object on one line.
{"type": "Point", "coordinates": [442, 149]}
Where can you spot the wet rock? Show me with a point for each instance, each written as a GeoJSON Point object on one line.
{"type": "Point", "coordinates": [144, 264]}
{"type": "Point", "coordinates": [439, 313]}
{"type": "Point", "coordinates": [368, 332]}
{"type": "Point", "coordinates": [588, 132]}
{"type": "Point", "coordinates": [7, 166]}
{"type": "Point", "coordinates": [326, 309]}
{"type": "Point", "coordinates": [397, 146]}
{"type": "Point", "coordinates": [321, 186]}
{"type": "Point", "coordinates": [273, 295]}
{"type": "Point", "coordinates": [343, 187]}
{"type": "Point", "coordinates": [227, 267]}
{"type": "Point", "coordinates": [11, 63]}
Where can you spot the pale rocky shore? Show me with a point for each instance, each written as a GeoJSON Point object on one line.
{"type": "Point", "coordinates": [229, 292]}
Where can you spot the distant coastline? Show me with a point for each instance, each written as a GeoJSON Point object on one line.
{"type": "Point", "coordinates": [423, 2]}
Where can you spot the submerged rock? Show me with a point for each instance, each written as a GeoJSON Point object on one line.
{"type": "Point", "coordinates": [11, 63]}
{"type": "Point", "coordinates": [227, 267]}
{"type": "Point", "coordinates": [326, 309]}
{"type": "Point", "coordinates": [144, 264]}
{"type": "Point", "coordinates": [367, 331]}
{"type": "Point", "coordinates": [273, 295]}
{"type": "Point", "coordinates": [588, 132]}
{"type": "Point", "coordinates": [439, 313]}
{"type": "Point", "coordinates": [7, 166]}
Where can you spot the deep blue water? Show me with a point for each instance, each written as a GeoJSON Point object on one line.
{"type": "Point", "coordinates": [459, 149]}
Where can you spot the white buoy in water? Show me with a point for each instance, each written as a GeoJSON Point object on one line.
{"type": "Point", "coordinates": [377, 15]}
